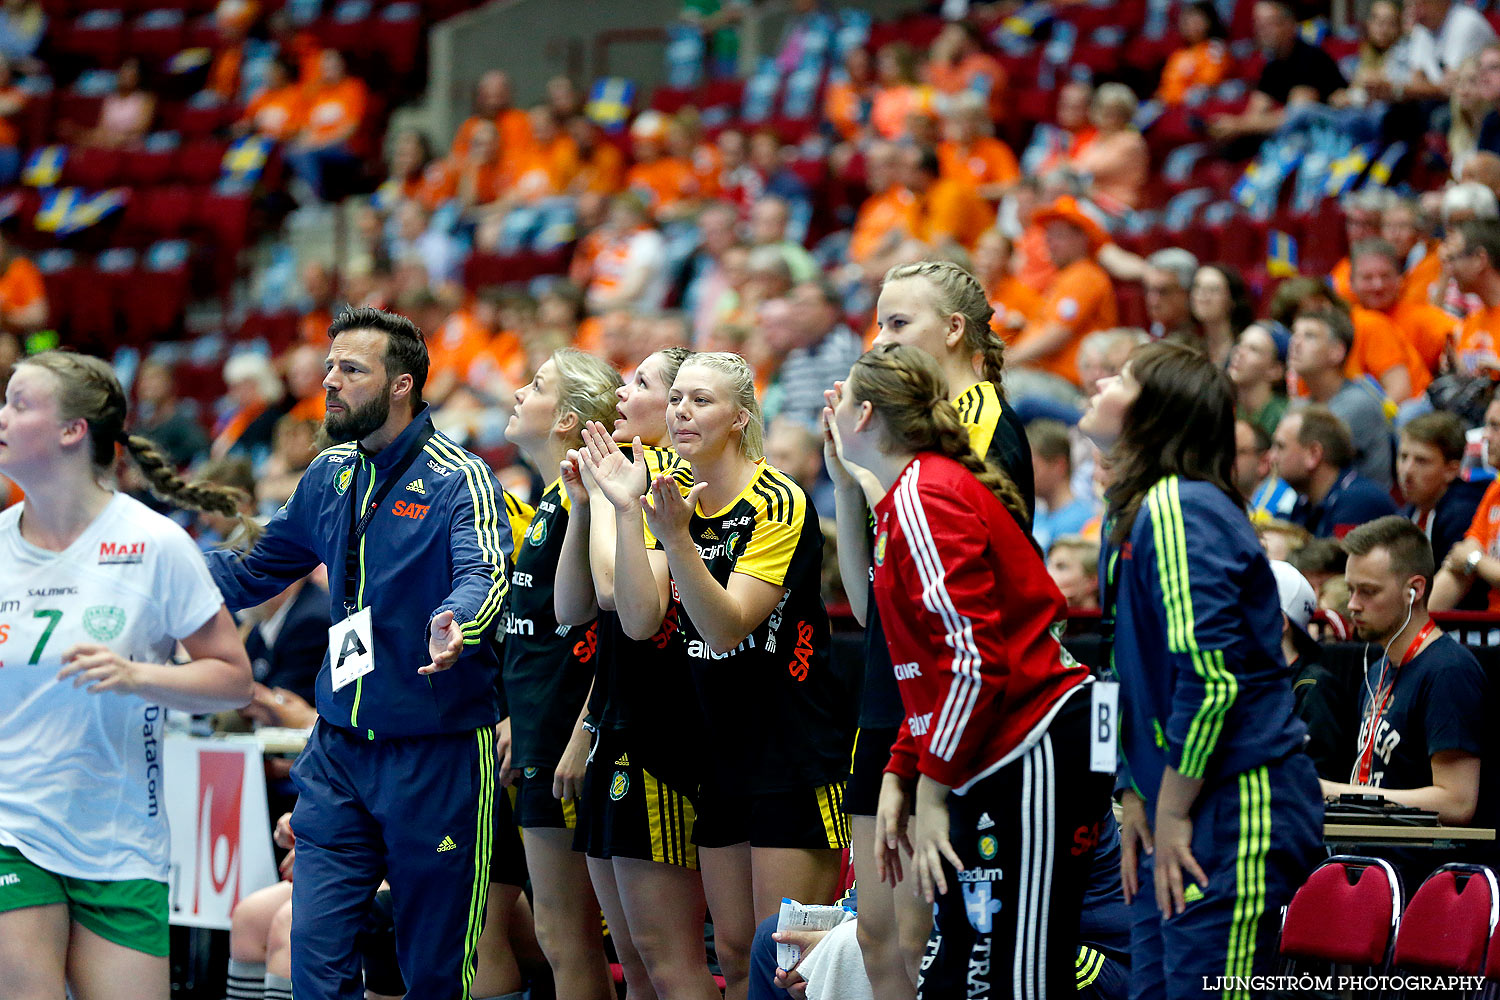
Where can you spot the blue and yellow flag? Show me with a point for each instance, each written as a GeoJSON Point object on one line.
{"type": "Point", "coordinates": [244, 160]}
{"type": "Point", "coordinates": [1281, 255]}
{"type": "Point", "coordinates": [1027, 20]}
{"type": "Point", "coordinates": [1383, 168]}
{"type": "Point", "coordinates": [610, 102]}
{"type": "Point", "coordinates": [44, 166]}
{"type": "Point", "coordinates": [1345, 170]}
{"type": "Point", "coordinates": [69, 210]}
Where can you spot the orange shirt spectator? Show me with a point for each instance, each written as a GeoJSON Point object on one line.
{"type": "Point", "coordinates": [601, 166]}
{"type": "Point", "coordinates": [502, 359]}
{"type": "Point", "coordinates": [1015, 305]}
{"type": "Point", "coordinates": [1116, 159]}
{"type": "Point", "coordinates": [1424, 275]}
{"type": "Point", "coordinates": [1033, 264]}
{"type": "Point", "coordinates": [847, 98]}
{"type": "Point", "coordinates": [892, 107]}
{"type": "Point", "coordinates": [514, 127]}
{"type": "Point", "coordinates": [1203, 65]}
{"type": "Point", "coordinates": [1485, 529]}
{"type": "Point", "coordinates": [1342, 280]}
{"type": "Point", "coordinates": [335, 112]}
{"type": "Point", "coordinates": [23, 296]}
{"type": "Point", "coordinates": [952, 210]}
{"type": "Point", "coordinates": [224, 72]}
{"type": "Point", "coordinates": [662, 183]}
{"type": "Point", "coordinates": [957, 64]}
{"type": "Point", "coordinates": [1081, 298]}
{"type": "Point", "coordinates": [279, 111]}
{"type": "Point", "coordinates": [456, 344]}
{"type": "Point", "coordinates": [981, 163]}
{"type": "Point", "coordinates": [311, 408]}
{"type": "Point", "coordinates": [1426, 327]}
{"type": "Point", "coordinates": [1476, 340]}
{"type": "Point", "coordinates": [1379, 346]}
{"type": "Point", "coordinates": [892, 211]}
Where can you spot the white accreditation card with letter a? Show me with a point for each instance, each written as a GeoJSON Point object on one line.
{"type": "Point", "coordinates": [351, 648]}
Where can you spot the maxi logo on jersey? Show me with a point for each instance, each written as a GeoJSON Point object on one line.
{"type": "Point", "coordinates": [121, 553]}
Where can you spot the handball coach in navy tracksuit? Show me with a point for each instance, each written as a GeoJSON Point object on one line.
{"type": "Point", "coordinates": [398, 780]}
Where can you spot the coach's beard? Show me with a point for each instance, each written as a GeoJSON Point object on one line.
{"type": "Point", "coordinates": [355, 425]}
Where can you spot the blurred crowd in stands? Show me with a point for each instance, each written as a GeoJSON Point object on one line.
{"type": "Point", "coordinates": [1317, 209]}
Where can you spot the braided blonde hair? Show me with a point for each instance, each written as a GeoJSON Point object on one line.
{"type": "Point", "coordinates": [906, 388]}
{"type": "Point", "coordinates": [586, 386]}
{"type": "Point", "coordinates": [955, 290]}
{"type": "Point", "coordinates": [742, 386]}
{"type": "Point", "coordinates": [88, 390]}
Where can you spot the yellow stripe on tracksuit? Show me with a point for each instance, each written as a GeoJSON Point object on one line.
{"type": "Point", "coordinates": [486, 528]}
{"type": "Point", "coordinates": [1220, 686]}
{"type": "Point", "coordinates": [1087, 966]}
{"type": "Point", "coordinates": [1249, 876]}
{"type": "Point", "coordinates": [831, 807]}
{"type": "Point", "coordinates": [670, 818]}
{"type": "Point", "coordinates": [484, 836]}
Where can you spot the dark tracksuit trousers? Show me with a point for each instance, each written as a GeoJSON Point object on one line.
{"type": "Point", "coordinates": [1256, 836]}
{"type": "Point", "coordinates": [355, 825]}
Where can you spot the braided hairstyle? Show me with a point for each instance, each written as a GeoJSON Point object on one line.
{"type": "Point", "coordinates": [955, 290]}
{"type": "Point", "coordinates": [88, 390]}
{"type": "Point", "coordinates": [741, 378]}
{"type": "Point", "coordinates": [587, 385]}
{"type": "Point", "coordinates": [906, 388]}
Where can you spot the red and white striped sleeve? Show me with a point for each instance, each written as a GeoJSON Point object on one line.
{"type": "Point", "coordinates": [949, 541]}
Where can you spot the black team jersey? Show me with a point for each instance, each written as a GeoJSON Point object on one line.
{"type": "Point", "coordinates": [547, 667]}
{"type": "Point", "coordinates": [644, 689]}
{"type": "Point", "coordinates": [780, 714]}
{"type": "Point", "coordinates": [996, 432]}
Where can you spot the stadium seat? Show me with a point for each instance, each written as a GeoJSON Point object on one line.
{"type": "Point", "coordinates": [96, 36]}
{"type": "Point", "coordinates": [397, 34]}
{"type": "Point", "coordinates": [158, 295]}
{"type": "Point", "coordinates": [200, 160]}
{"type": "Point", "coordinates": [92, 168]}
{"type": "Point", "coordinates": [1449, 921]}
{"type": "Point", "coordinates": [157, 35]}
{"type": "Point", "coordinates": [148, 167]}
{"type": "Point", "coordinates": [1347, 912]}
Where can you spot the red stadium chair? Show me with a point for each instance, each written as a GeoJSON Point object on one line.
{"type": "Point", "coordinates": [80, 109]}
{"type": "Point", "coordinates": [1347, 912]}
{"type": "Point", "coordinates": [205, 119]}
{"type": "Point", "coordinates": [199, 161]}
{"type": "Point", "coordinates": [91, 168]}
{"type": "Point", "coordinates": [202, 33]}
{"type": "Point", "coordinates": [225, 219]}
{"type": "Point", "coordinates": [278, 330]}
{"type": "Point", "coordinates": [147, 167]}
{"type": "Point", "coordinates": [397, 33]}
{"type": "Point", "coordinates": [157, 35]}
{"type": "Point", "coordinates": [158, 297]}
{"type": "Point", "coordinates": [97, 37]}
{"type": "Point", "coordinates": [1449, 921]}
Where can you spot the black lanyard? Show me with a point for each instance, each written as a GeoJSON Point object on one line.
{"type": "Point", "coordinates": [357, 527]}
{"type": "Point", "coordinates": [1111, 573]}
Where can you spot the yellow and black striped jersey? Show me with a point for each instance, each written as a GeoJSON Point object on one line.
{"type": "Point", "coordinates": [780, 711]}
{"type": "Point", "coordinates": [997, 435]}
{"type": "Point", "coordinates": [645, 688]}
{"type": "Point", "coordinates": [546, 667]}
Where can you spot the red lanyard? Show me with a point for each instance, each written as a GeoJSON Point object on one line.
{"type": "Point", "coordinates": [1382, 699]}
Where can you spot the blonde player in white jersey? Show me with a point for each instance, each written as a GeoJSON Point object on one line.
{"type": "Point", "coordinates": [95, 592]}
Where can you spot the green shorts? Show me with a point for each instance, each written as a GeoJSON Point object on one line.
{"type": "Point", "coordinates": [130, 913]}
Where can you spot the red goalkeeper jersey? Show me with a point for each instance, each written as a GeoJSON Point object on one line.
{"type": "Point", "coordinates": [972, 619]}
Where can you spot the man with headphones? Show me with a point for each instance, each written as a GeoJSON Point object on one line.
{"type": "Point", "coordinates": [1423, 700]}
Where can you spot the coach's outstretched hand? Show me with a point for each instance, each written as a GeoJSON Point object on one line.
{"type": "Point", "coordinates": [444, 642]}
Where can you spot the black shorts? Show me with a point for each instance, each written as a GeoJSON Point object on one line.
{"type": "Point", "coordinates": [630, 813]}
{"type": "Point", "coordinates": [508, 859]}
{"type": "Point", "coordinates": [872, 752]}
{"type": "Point", "coordinates": [806, 818]}
{"type": "Point", "coordinates": [536, 809]}
{"type": "Point", "coordinates": [1019, 898]}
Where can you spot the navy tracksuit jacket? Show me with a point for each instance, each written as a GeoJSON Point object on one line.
{"type": "Point", "coordinates": [398, 780]}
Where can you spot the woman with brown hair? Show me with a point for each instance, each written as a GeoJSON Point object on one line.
{"type": "Point", "coordinates": [995, 723]}
{"type": "Point", "coordinates": [940, 309]}
{"type": "Point", "coordinates": [103, 589]}
{"type": "Point", "coordinates": [1220, 805]}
